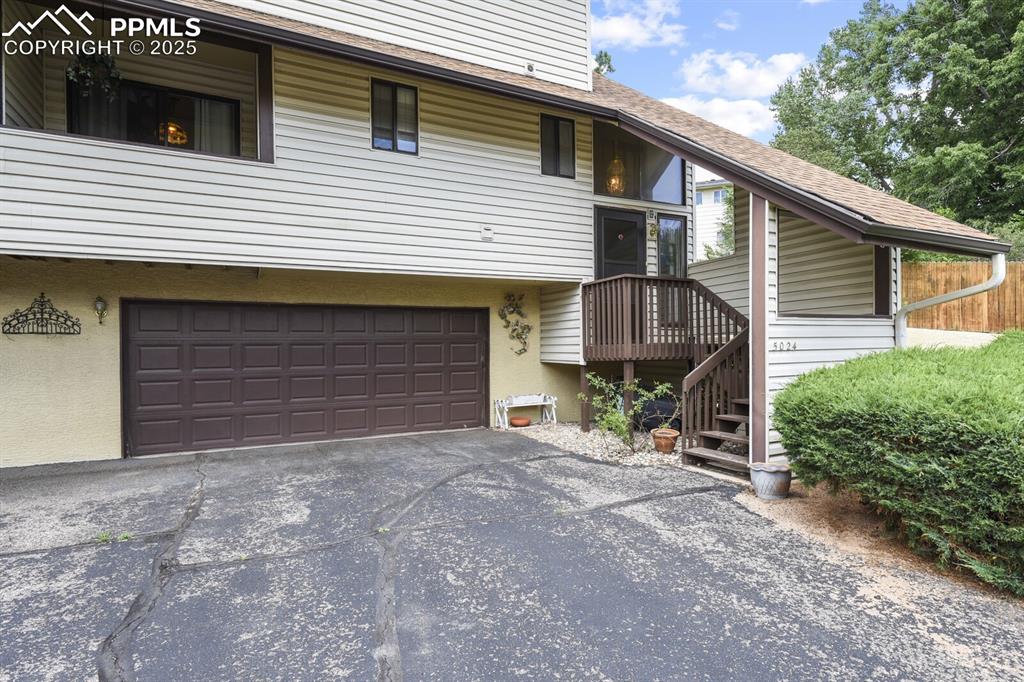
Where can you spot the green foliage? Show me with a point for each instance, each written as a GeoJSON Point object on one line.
{"type": "Point", "coordinates": [104, 536]}
{"type": "Point", "coordinates": [607, 406]}
{"type": "Point", "coordinates": [932, 438]}
{"type": "Point", "coordinates": [725, 240]}
{"type": "Point", "coordinates": [603, 63]}
{"type": "Point", "coordinates": [926, 103]}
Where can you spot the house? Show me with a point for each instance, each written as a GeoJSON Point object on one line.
{"type": "Point", "coordinates": [304, 223]}
{"type": "Point", "coordinates": [709, 215]}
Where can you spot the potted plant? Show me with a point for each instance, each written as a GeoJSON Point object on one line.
{"type": "Point", "coordinates": [665, 438]}
{"type": "Point", "coordinates": [770, 481]}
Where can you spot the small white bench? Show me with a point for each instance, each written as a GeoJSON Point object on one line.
{"type": "Point", "coordinates": [545, 401]}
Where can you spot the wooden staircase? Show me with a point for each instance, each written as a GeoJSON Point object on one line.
{"type": "Point", "coordinates": [716, 419]}
{"type": "Point", "coordinates": [724, 446]}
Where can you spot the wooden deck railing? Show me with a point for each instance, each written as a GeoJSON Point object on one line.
{"type": "Point", "coordinates": [640, 317]}
{"type": "Point", "coordinates": [712, 386]}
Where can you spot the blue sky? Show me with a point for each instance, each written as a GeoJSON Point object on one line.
{"type": "Point", "coordinates": [718, 59]}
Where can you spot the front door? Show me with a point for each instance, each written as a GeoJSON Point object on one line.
{"type": "Point", "coordinates": [619, 243]}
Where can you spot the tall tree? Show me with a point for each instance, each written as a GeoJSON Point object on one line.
{"type": "Point", "coordinates": [926, 103]}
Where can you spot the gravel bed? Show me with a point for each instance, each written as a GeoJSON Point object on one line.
{"type": "Point", "coordinates": [599, 445]}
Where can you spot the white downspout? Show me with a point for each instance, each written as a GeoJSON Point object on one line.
{"type": "Point", "coordinates": [998, 275]}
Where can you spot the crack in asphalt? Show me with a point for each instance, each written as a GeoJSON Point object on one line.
{"type": "Point", "coordinates": [114, 655]}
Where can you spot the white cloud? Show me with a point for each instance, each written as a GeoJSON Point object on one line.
{"type": "Point", "coordinates": [728, 20]}
{"type": "Point", "coordinates": [738, 74]}
{"type": "Point", "coordinates": [632, 24]}
{"type": "Point", "coordinates": [748, 117]}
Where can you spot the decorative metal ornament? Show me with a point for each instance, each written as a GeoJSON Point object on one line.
{"type": "Point", "coordinates": [41, 318]}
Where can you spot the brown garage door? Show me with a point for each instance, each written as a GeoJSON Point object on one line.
{"type": "Point", "coordinates": [212, 375]}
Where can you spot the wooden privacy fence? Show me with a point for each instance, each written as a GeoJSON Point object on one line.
{"type": "Point", "coordinates": [994, 311]}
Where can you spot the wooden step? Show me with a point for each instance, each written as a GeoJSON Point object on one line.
{"type": "Point", "coordinates": [741, 401]}
{"type": "Point", "coordinates": [725, 435]}
{"type": "Point", "coordinates": [727, 460]}
{"type": "Point", "coordinates": [738, 418]}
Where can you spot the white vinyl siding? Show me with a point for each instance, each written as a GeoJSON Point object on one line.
{"type": "Point", "coordinates": [553, 35]}
{"type": "Point", "coordinates": [22, 74]}
{"type": "Point", "coordinates": [729, 276]}
{"type": "Point", "coordinates": [797, 345]}
{"type": "Point", "coordinates": [329, 201]}
{"type": "Point", "coordinates": [561, 324]}
{"type": "Point", "coordinates": [821, 272]}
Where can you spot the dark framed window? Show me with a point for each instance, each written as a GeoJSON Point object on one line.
{"type": "Point", "coordinates": [557, 146]}
{"type": "Point", "coordinates": [671, 245]}
{"type": "Point", "coordinates": [156, 115]}
{"type": "Point", "coordinates": [626, 166]}
{"type": "Point", "coordinates": [395, 117]}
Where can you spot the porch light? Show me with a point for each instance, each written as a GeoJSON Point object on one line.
{"type": "Point", "coordinates": [616, 183]}
{"type": "Point", "coordinates": [100, 305]}
{"type": "Point", "coordinates": [173, 133]}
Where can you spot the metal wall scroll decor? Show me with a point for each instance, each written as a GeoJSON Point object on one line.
{"type": "Point", "coordinates": [41, 318]}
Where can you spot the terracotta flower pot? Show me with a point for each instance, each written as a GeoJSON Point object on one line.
{"type": "Point", "coordinates": [665, 440]}
{"type": "Point", "coordinates": [519, 421]}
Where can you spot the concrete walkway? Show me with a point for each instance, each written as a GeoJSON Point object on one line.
{"type": "Point", "coordinates": [454, 556]}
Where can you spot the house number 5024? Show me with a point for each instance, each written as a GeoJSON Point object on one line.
{"type": "Point", "coordinates": [783, 345]}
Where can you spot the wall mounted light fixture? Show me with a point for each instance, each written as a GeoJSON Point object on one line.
{"type": "Point", "coordinates": [101, 308]}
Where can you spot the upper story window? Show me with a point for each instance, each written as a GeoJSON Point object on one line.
{"type": "Point", "coordinates": [699, 197]}
{"type": "Point", "coordinates": [626, 166]}
{"type": "Point", "coordinates": [395, 117]}
{"type": "Point", "coordinates": [557, 146]}
{"type": "Point", "coordinates": [719, 194]}
{"type": "Point", "coordinates": [156, 115]}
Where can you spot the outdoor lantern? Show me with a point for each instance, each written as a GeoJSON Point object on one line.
{"type": "Point", "coordinates": [101, 308]}
{"type": "Point", "coordinates": [616, 183]}
{"type": "Point", "coordinates": [173, 133]}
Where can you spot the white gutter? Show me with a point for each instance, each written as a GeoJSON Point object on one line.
{"type": "Point", "coordinates": [998, 275]}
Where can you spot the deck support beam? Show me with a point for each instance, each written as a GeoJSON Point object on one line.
{"type": "Point", "coordinates": [628, 375]}
{"type": "Point", "coordinates": [758, 428]}
{"type": "Point", "coordinates": [584, 404]}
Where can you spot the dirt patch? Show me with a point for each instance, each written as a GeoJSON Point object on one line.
{"type": "Point", "coordinates": [843, 523]}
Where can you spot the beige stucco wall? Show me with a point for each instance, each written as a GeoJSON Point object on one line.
{"type": "Point", "coordinates": [61, 395]}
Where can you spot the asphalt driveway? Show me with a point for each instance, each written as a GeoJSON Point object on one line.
{"type": "Point", "coordinates": [474, 555]}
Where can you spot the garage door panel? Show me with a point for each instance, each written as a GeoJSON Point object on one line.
{"type": "Point", "coordinates": [157, 358]}
{"type": "Point", "coordinates": [212, 392]}
{"type": "Point", "coordinates": [390, 355]}
{"type": "Point", "coordinates": [261, 390]}
{"type": "Point", "coordinates": [212, 320]}
{"type": "Point", "coordinates": [212, 357]}
{"type": "Point", "coordinates": [307, 356]}
{"type": "Point", "coordinates": [208, 375]}
{"type": "Point", "coordinates": [351, 355]}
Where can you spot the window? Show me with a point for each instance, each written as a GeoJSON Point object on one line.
{"type": "Point", "coordinates": [700, 197]}
{"type": "Point", "coordinates": [719, 194]}
{"type": "Point", "coordinates": [626, 166]}
{"type": "Point", "coordinates": [671, 240]}
{"type": "Point", "coordinates": [156, 115]}
{"type": "Point", "coordinates": [395, 118]}
{"type": "Point", "coordinates": [557, 146]}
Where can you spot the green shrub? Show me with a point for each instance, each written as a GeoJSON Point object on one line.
{"type": "Point", "coordinates": [931, 438]}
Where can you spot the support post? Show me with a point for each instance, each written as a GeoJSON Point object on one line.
{"type": "Point", "coordinates": [584, 404]}
{"type": "Point", "coordinates": [758, 328]}
{"type": "Point", "coordinates": [628, 374]}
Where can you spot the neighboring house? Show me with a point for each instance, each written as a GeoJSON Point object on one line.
{"type": "Point", "coordinates": [307, 231]}
{"type": "Point", "coordinates": [709, 200]}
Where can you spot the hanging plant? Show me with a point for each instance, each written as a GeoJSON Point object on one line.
{"type": "Point", "coordinates": [512, 317]}
{"type": "Point", "coordinates": [95, 71]}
